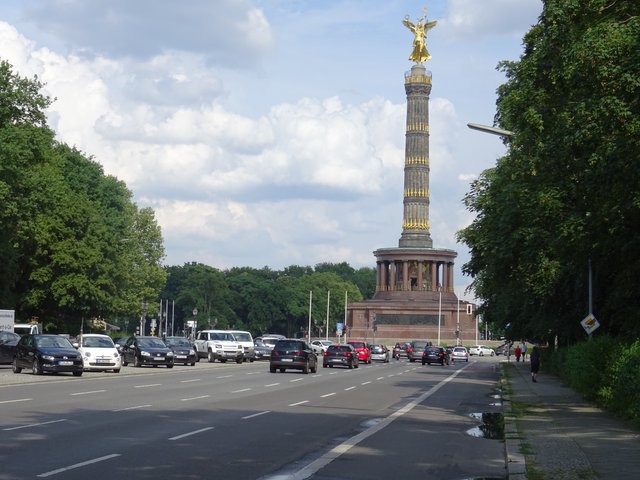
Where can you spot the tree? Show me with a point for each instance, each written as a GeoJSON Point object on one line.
{"type": "Point", "coordinates": [568, 191]}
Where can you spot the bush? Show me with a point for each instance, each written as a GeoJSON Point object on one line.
{"type": "Point", "coordinates": [603, 370]}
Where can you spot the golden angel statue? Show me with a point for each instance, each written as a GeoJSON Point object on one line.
{"type": "Point", "coordinates": [420, 53]}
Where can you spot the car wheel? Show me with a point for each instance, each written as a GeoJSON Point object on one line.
{"type": "Point", "coordinates": [412, 360]}
{"type": "Point", "coordinates": [35, 367]}
{"type": "Point", "coordinates": [15, 367]}
{"type": "Point", "coordinates": [136, 362]}
{"type": "Point", "coordinates": [170, 365]}
{"type": "Point", "coordinates": [223, 360]}
{"type": "Point", "coordinates": [282, 370]}
{"type": "Point", "coordinates": [77, 374]}
{"type": "Point", "coordinates": [423, 363]}
{"type": "Point", "coordinates": [124, 362]}
{"type": "Point", "coordinates": [239, 360]}
{"type": "Point", "coordinates": [211, 357]}
{"type": "Point", "coordinates": [324, 365]}
{"type": "Point", "coordinates": [272, 369]}
{"type": "Point", "coordinates": [350, 366]}
{"type": "Point", "coordinates": [305, 369]}
{"type": "Point", "coordinates": [116, 370]}
{"type": "Point", "coordinates": [492, 354]}
{"type": "Point", "coordinates": [193, 364]}
{"type": "Point", "coordinates": [314, 369]}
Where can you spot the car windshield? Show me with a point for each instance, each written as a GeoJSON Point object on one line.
{"type": "Point", "coordinates": [459, 349]}
{"type": "Point", "coordinates": [223, 336]}
{"type": "Point", "coordinates": [357, 344]}
{"type": "Point", "coordinates": [289, 345]}
{"type": "Point", "coordinates": [338, 349]}
{"type": "Point", "coordinates": [53, 342]}
{"type": "Point", "coordinates": [420, 344]}
{"type": "Point", "coordinates": [151, 343]}
{"type": "Point", "coordinates": [177, 342]}
{"type": "Point", "coordinates": [377, 348]}
{"type": "Point", "coordinates": [97, 342]}
{"type": "Point", "coordinates": [242, 337]}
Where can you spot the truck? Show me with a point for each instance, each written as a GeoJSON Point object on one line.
{"type": "Point", "coordinates": [218, 345]}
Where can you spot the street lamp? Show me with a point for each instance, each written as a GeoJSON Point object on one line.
{"type": "Point", "coordinates": [195, 322]}
{"type": "Point", "coordinates": [439, 310]}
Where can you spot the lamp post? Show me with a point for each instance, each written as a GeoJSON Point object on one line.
{"type": "Point", "coordinates": [439, 310]}
{"type": "Point", "coordinates": [195, 323]}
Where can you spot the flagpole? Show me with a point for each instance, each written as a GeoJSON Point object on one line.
{"type": "Point", "coordinates": [310, 300]}
{"type": "Point", "coordinates": [328, 295]}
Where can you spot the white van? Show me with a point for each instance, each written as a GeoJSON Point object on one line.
{"type": "Point", "coordinates": [246, 340]}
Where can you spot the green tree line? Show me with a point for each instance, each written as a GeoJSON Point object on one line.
{"type": "Point", "coordinates": [566, 195]}
{"type": "Point", "coordinates": [75, 247]}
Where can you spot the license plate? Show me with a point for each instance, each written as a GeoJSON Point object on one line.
{"type": "Point", "coordinates": [181, 356]}
{"type": "Point", "coordinates": [159, 359]}
{"type": "Point", "coordinates": [65, 363]}
{"type": "Point", "coordinates": [336, 360]}
{"type": "Point", "coordinates": [102, 360]}
{"type": "Point", "coordinates": [287, 359]}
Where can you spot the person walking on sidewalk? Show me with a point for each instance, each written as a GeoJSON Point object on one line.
{"type": "Point", "coordinates": [517, 352]}
{"type": "Point", "coordinates": [523, 349]}
{"type": "Point", "coordinates": [534, 359]}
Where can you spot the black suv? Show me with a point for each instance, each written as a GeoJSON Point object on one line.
{"type": "Point", "coordinates": [293, 353]}
{"type": "Point", "coordinates": [435, 355]}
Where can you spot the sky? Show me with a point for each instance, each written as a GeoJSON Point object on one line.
{"type": "Point", "coordinates": [271, 132]}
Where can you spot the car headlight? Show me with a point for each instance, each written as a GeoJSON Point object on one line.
{"type": "Point", "coordinates": [49, 358]}
{"type": "Point", "coordinates": [192, 352]}
{"type": "Point", "coordinates": [87, 354]}
{"type": "Point", "coordinates": [116, 354]}
{"type": "Point", "coordinates": [145, 354]}
{"type": "Point", "coordinates": [169, 354]}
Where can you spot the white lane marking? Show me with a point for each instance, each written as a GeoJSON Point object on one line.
{"type": "Point", "coordinates": [296, 380]}
{"type": "Point", "coordinates": [392, 375]}
{"type": "Point", "coordinates": [241, 390]}
{"type": "Point", "coordinates": [194, 398]}
{"type": "Point", "coordinates": [178, 437]}
{"type": "Point", "coordinates": [225, 376]}
{"type": "Point", "coordinates": [327, 395]}
{"type": "Point", "coordinates": [380, 378]}
{"type": "Point", "coordinates": [17, 400]}
{"type": "Point", "coordinates": [34, 425]}
{"type": "Point", "coordinates": [256, 414]}
{"type": "Point", "coordinates": [298, 403]}
{"type": "Point", "coordinates": [87, 393]}
{"type": "Point", "coordinates": [365, 383]}
{"type": "Point", "coordinates": [349, 388]}
{"type": "Point", "coordinates": [272, 384]}
{"type": "Point", "coordinates": [345, 446]}
{"type": "Point", "coordinates": [333, 373]}
{"type": "Point", "coordinates": [148, 385]}
{"type": "Point", "coordinates": [252, 373]}
{"type": "Point", "coordinates": [192, 380]}
{"type": "Point", "coordinates": [78, 465]}
{"type": "Point", "coordinates": [131, 408]}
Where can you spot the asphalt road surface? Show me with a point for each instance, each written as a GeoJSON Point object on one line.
{"type": "Point", "coordinates": [228, 421]}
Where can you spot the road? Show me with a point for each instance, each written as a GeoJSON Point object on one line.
{"type": "Point", "coordinates": [241, 422]}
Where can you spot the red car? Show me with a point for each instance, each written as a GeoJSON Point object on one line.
{"type": "Point", "coordinates": [362, 349]}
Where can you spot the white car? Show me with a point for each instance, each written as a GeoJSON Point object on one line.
{"type": "Point", "coordinates": [481, 351]}
{"type": "Point", "coordinates": [460, 354]}
{"type": "Point", "coordinates": [99, 352]}
{"type": "Point", "coordinates": [320, 346]}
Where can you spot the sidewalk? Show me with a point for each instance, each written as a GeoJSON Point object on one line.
{"type": "Point", "coordinates": [551, 433]}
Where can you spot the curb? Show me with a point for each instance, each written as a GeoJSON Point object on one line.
{"type": "Point", "coordinates": [514, 458]}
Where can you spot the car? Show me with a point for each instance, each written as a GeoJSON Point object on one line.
{"type": "Point", "coordinates": [99, 352]}
{"type": "Point", "coordinates": [460, 354]}
{"type": "Point", "coordinates": [362, 349]}
{"type": "Point", "coordinates": [340, 355]}
{"type": "Point", "coordinates": [47, 353]}
{"type": "Point", "coordinates": [182, 349]}
{"type": "Point", "coordinates": [400, 349]}
{"type": "Point", "coordinates": [415, 349]}
{"type": "Point", "coordinates": [218, 345]}
{"type": "Point", "coordinates": [293, 353]}
{"type": "Point", "coordinates": [320, 346]}
{"type": "Point", "coordinates": [481, 350]}
{"type": "Point", "coordinates": [270, 341]}
{"type": "Point", "coordinates": [380, 352]}
{"type": "Point", "coordinates": [145, 350]}
{"type": "Point", "coordinates": [262, 351]}
{"type": "Point", "coordinates": [434, 354]}
{"type": "Point", "coordinates": [8, 342]}
{"type": "Point", "coordinates": [119, 343]}
{"type": "Point", "coordinates": [245, 339]}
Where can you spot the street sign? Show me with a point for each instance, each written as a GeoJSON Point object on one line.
{"type": "Point", "coordinates": [589, 323]}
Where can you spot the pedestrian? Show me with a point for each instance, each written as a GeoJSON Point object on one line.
{"type": "Point", "coordinates": [535, 363]}
{"type": "Point", "coordinates": [517, 352]}
{"type": "Point", "coordinates": [523, 349]}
